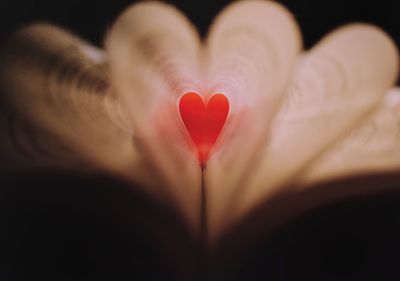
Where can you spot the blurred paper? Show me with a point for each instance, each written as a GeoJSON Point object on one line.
{"type": "Point", "coordinates": [251, 50]}
{"type": "Point", "coordinates": [154, 59]}
{"type": "Point", "coordinates": [371, 148]}
{"type": "Point", "coordinates": [337, 84]}
{"type": "Point", "coordinates": [57, 109]}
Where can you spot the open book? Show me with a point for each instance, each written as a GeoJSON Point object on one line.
{"type": "Point", "coordinates": [297, 119]}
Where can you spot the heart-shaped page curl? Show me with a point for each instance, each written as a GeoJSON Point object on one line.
{"type": "Point", "coordinates": [203, 122]}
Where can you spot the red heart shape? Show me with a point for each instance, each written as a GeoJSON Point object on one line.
{"type": "Point", "coordinates": [203, 122]}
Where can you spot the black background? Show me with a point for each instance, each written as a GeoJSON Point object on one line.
{"type": "Point", "coordinates": [90, 19]}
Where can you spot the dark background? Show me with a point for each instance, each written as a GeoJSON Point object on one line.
{"type": "Point", "coordinates": [90, 19]}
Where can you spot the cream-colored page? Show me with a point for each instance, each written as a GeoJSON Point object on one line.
{"type": "Point", "coordinates": [372, 147]}
{"type": "Point", "coordinates": [250, 51]}
{"type": "Point", "coordinates": [336, 85]}
{"type": "Point", "coordinates": [154, 55]}
{"type": "Point", "coordinates": [56, 102]}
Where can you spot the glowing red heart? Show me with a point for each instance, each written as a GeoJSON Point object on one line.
{"type": "Point", "coordinates": [203, 122]}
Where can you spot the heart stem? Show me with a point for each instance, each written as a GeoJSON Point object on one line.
{"type": "Point", "coordinates": [203, 230]}
{"type": "Point", "coordinates": [203, 210]}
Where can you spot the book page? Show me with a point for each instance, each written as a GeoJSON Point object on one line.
{"type": "Point", "coordinates": [56, 105]}
{"type": "Point", "coordinates": [251, 50]}
{"type": "Point", "coordinates": [336, 85]}
{"type": "Point", "coordinates": [154, 55]}
{"type": "Point", "coordinates": [373, 147]}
